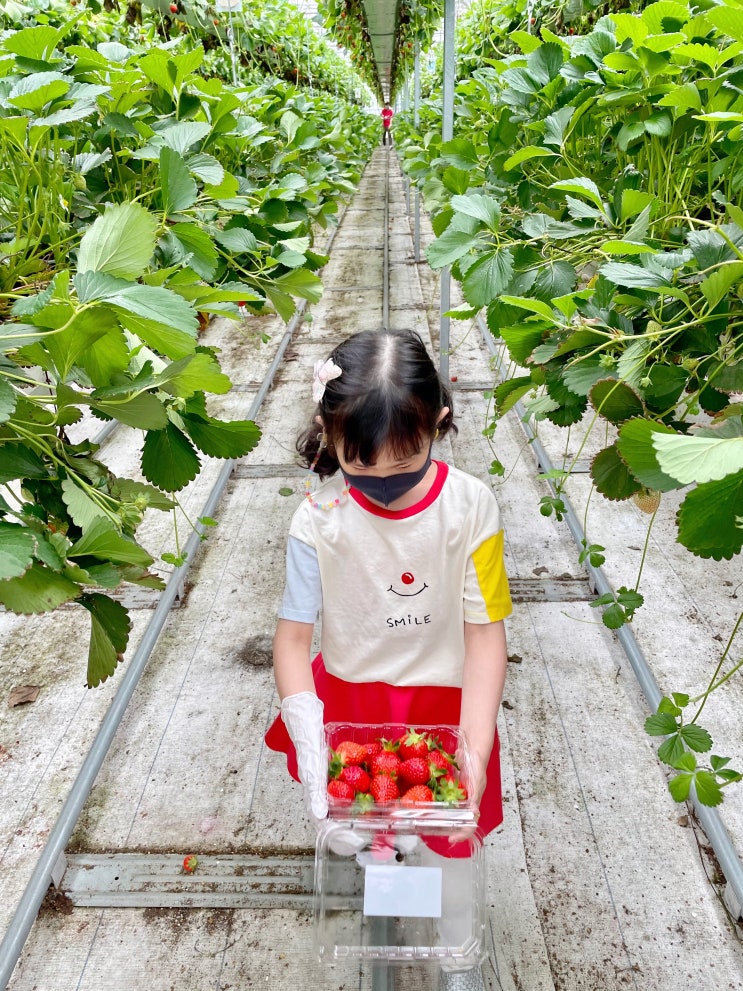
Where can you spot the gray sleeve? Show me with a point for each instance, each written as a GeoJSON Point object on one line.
{"type": "Point", "coordinates": [303, 591]}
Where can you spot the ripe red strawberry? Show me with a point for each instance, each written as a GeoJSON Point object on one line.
{"type": "Point", "coordinates": [351, 752]}
{"type": "Point", "coordinates": [415, 770]}
{"type": "Point", "coordinates": [413, 744]}
{"type": "Point", "coordinates": [418, 793]}
{"type": "Point", "coordinates": [372, 749]}
{"type": "Point", "coordinates": [190, 863]}
{"type": "Point", "coordinates": [356, 777]}
{"type": "Point", "coordinates": [439, 759]}
{"type": "Point", "coordinates": [174, 8]}
{"type": "Point", "coordinates": [384, 789]}
{"type": "Point", "coordinates": [340, 791]}
{"type": "Point", "coordinates": [387, 763]}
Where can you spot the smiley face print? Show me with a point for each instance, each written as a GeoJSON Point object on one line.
{"type": "Point", "coordinates": [407, 585]}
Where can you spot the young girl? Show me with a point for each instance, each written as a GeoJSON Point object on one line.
{"type": "Point", "coordinates": [403, 555]}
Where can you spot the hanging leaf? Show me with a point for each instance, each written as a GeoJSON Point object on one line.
{"type": "Point", "coordinates": [35, 91]}
{"type": "Point", "coordinates": [198, 373]}
{"type": "Point", "coordinates": [488, 277]}
{"type": "Point", "coordinates": [508, 393]}
{"type": "Point", "coordinates": [698, 459]}
{"type": "Point", "coordinates": [120, 242]}
{"type": "Point", "coordinates": [168, 459]}
{"type": "Point", "coordinates": [83, 510]}
{"type": "Point", "coordinates": [221, 439]}
{"type": "Point", "coordinates": [717, 535]}
{"type": "Point", "coordinates": [448, 248]}
{"type": "Point", "coordinates": [632, 276]}
{"type": "Point", "coordinates": [8, 400]}
{"type": "Point", "coordinates": [19, 461]}
{"type": "Point", "coordinates": [611, 476]}
{"type": "Point", "coordinates": [583, 187]}
{"type": "Point", "coordinates": [17, 550]}
{"type": "Point", "coordinates": [615, 401]}
{"type": "Point", "coordinates": [522, 339]}
{"type": "Point", "coordinates": [179, 189]}
{"type": "Point", "coordinates": [37, 590]}
{"type": "Point", "coordinates": [635, 444]}
{"type": "Point", "coordinates": [144, 412]}
{"type": "Point", "coordinates": [103, 540]}
{"type": "Point", "coordinates": [484, 208]}
{"type": "Point", "coordinates": [109, 636]}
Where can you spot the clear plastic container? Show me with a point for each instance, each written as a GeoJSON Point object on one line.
{"type": "Point", "coordinates": [397, 899]}
{"type": "Point", "coordinates": [451, 740]}
{"type": "Point", "coordinates": [401, 895]}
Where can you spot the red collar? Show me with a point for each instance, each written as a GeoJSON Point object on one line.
{"type": "Point", "coordinates": [442, 470]}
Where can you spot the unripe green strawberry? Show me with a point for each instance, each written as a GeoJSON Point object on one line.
{"type": "Point", "coordinates": [647, 500]}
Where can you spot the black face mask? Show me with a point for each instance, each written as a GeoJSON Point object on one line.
{"type": "Point", "coordinates": [388, 488]}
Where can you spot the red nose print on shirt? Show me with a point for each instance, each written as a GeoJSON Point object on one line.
{"type": "Point", "coordinates": [408, 578]}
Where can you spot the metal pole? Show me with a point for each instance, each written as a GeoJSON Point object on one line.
{"type": "Point", "coordinates": [709, 818]}
{"type": "Point", "coordinates": [447, 133]}
{"type": "Point", "coordinates": [416, 123]}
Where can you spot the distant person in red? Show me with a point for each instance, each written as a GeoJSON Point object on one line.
{"type": "Point", "coordinates": [387, 114]}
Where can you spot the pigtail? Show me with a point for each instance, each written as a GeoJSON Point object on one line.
{"type": "Point", "coordinates": [314, 452]}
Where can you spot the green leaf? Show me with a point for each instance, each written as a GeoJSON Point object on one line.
{"type": "Point", "coordinates": [611, 476]}
{"type": "Point", "coordinates": [209, 169]}
{"type": "Point", "coordinates": [484, 208]}
{"type": "Point", "coordinates": [34, 43]}
{"type": "Point", "coordinates": [488, 277]}
{"type": "Point", "coordinates": [671, 750]}
{"type": "Point", "coordinates": [698, 459]}
{"type": "Point", "coordinates": [525, 155]}
{"type": "Point", "coordinates": [521, 340]}
{"type": "Point", "coordinates": [144, 412]}
{"type": "Point", "coordinates": [168, 459]}
{"type": "Point", "coordinates": [707, 788]}
{"type": "Point", "coordinates": [613, 617]}
{"type": "Point", "coordinates": [103, 540]}
{"type": "Point", "coordinates": [197, 373]}
{"type": "Point", "coordinates": [83, 510]}
{"type": "Point", "coordinates": [237, 240]}
{"type": "Point", "coordinates": [635, 444]}
{"type": "Point", "coordinates": [19, 461]}
{"type": "Point", "coordinates": [156, 304]}
{"type": "Point", "coordinates": [179, 189]}
{"type": "Point", "coordinates": [696, 738]}
{"type": "Point", "coordinates": [17, 550]}
{"type": "Point", "coordinates": [448, 248]}
{"type": "Point", "coordinates": [615, 401]}
{"type": "Point", "coordinates": [728, 20]}
{"type": "Point", "coordinates": [38, 590]}
{"type": "Point", "coordinates": [8, 400]}
{"type": "Point", "coordinates": [660, 724]}
{"type": "Point", "coordinates": [583, 187]}
{"type": "Point", "coordinates": [69, 347]}
{"type": "Point", "coordinates": [460, 152]}
{"type": "Point", "coordinates": [507, 394]}
{"type": "Point", "coordinates": [718, 283]}
{"type": "Point", "coordinates": [109, 636]}
{"type": "Point", "coordinates": [34, 91]}
{"type": "Point", "coordinates": [680, 786]}
{"type": "Point", "coordinates": [632, 276]}
{"type": "Point", "coordinates": [120, 242]}
{"type": "Point", "coordinates": [707, 518]}
{"type": "Point", "coordinates": [300, 282]}
{"type": "Point", "coordinates": [221, 439]}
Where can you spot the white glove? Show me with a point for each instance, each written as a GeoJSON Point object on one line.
{"type": "Point", "coordinates": [303, 718]}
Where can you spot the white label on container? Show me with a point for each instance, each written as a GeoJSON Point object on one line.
{"type": "Point", "coordinates": [403, 891]}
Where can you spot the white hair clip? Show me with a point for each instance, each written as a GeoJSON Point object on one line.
{"type": "Point", "coordinates": [324, 372]}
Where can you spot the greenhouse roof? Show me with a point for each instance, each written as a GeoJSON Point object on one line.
{"type": "Point", "coordinates": [381, 19]}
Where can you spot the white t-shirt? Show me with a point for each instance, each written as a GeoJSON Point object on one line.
{"type": "Point", "coordinates": [396, 587]}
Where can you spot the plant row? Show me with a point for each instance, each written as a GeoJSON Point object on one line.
{"type": "Point", "coordinates": [588, 206]}
{"type": "Point", "coordinates": [138, 197]}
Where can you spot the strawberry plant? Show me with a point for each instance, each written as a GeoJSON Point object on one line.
{"type": "Point", "coordinates": [588, 207]}
{"type": "Point", "coordinates": [137, 199]}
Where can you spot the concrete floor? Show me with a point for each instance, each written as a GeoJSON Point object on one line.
{"type": "Point", "coordinates": [598, 881]}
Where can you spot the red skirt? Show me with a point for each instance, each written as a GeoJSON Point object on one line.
{"type": "Point", "coordinates": [378, 702]}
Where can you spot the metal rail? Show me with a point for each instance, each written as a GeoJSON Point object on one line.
{"type": "Point", "coordinates": [50, 866]}
{"type": "Point", "coordinates": [386, 243]}
{"type": "Point", "coordinates": [717, 834]}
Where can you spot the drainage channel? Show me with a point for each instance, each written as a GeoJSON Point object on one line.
{"type": "Point", "coordinates": [709, 818]}
{"type": "Point", "coordinates": [51, 864]}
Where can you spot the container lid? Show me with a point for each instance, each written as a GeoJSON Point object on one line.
{"type": "Point", "coordinates": [397, 898]}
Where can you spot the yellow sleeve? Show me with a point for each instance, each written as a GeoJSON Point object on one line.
{"type": "Point", "coordinates": [487, 597]}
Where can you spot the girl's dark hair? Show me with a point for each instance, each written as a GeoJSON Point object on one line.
{"type": "Point", "coordinates": [389, 394]}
